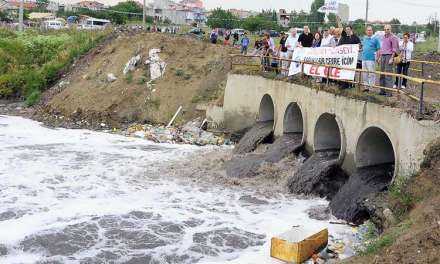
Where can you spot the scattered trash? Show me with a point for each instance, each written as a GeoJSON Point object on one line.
{"type": "Point", "coordinates": [157, 65]}
{"type": "Point", "coordinates": [190, 133]}
{"type": "Point", "coordinates": [174, 117]}
{"type": "Point", "coordinates": [62, 84]}
{"type": "Point", "coordinates": [131, 64]}
{"type": "Point", "coordinates": [111, 77]}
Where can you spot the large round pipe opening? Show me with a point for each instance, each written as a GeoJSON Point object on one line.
{"type": "Point", "coordinates": [266, 112]}
{"type": "Point", "coordinates": [293, 119]}
{"type": "Point", "coordinates": [374, 147]}
{"type": "Point", "coordinates": [327, 134]}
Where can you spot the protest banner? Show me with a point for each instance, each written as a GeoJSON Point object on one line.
{"type": "Point", "coordinates": [344, 56]}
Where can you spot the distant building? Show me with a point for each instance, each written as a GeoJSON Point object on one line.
{"type": "Point", "coordinates": [15, 4]}
{"type": "Point", "coordinates": [240, 13]}
{"type": "Point", "coordinates": [183, 12]}
{"type": "Point", "coordinates": [37, 16]}
{"type": "Point", "coordinates": [92, 5]}
{"type": "Point", "coordinates": [344, 12]}
{"type": "Point", "coordinates": [284, 18]}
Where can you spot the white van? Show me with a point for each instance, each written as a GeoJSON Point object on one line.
{"type": "Point", "coordinates": [53, 24]}
{"type": "Point", "coordinates": [240, 31]}
{"type": "Point", "coordinates": [94, 23]}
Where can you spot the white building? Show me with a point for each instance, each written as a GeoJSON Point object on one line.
{"type": "Point", "coordinates": [344, 12]}
{"type": "Point", "coordinates": [184, 12]}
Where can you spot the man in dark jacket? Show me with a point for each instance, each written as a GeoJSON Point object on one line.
{"type": "Point", "coordinates": [306, 39]}
{"type": "Point", "coordinates": [348, 37]}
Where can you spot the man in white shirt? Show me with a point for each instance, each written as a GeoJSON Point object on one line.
{"type": "Point", "coordinates": [326, 39]}
{"type": "Point", "coordinates": [292, 42]}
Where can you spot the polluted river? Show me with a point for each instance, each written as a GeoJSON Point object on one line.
{"type": "Point", "coordinates": [79, 196]}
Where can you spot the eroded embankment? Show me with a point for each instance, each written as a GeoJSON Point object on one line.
{"type": "Point", "coordinates": [195, 72]}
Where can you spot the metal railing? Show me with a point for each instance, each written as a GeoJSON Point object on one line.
{"type": "Point", "coordinates": [423, 65]}
{"type": "Point", "coordinates": [358, 81]}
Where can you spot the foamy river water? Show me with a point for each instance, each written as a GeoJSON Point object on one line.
{"type": "Point", "coordinates": [78, 196]}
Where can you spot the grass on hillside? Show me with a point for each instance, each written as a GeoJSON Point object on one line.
{"type": "Point", "coordinates": [30, 61]}
{"type": "Point", "coordinates": [430, 45]}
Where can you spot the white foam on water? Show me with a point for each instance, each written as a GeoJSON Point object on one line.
{"type": "Point", "coordinates": [51, 179]}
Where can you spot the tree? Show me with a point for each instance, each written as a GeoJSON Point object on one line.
{"type": "Point", "coordinates": [259, 22]}
{"type": "Point", "coordinates": [4, 16]}
{"type": "Point", "coordinates": [299, 19]}
{"type": "Point", "coordinates": [42, 4]}
{"type": "Point", "coordinates": [395, 25]}
{"type": "Point", "coordinates": [220, 18]}
{"type": "Point", "coordinates": [314, 16]}
{"type": "Point", "coordinates": [127, 11]}
{"type": "Point", "coordinates": [359, 27]}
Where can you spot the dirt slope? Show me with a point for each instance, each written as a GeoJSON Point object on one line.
{"type": "Point", "coordinates": [196, 72]}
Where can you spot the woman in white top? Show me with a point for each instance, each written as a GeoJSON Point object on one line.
{"type": "Point", "coordinates": [406, 47]}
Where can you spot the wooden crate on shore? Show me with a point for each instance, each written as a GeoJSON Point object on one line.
{"type": "Point", "coordinates": [298, 245]}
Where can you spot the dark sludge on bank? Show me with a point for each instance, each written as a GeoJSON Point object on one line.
{"type": "Point", "coordinates": [321, 173]}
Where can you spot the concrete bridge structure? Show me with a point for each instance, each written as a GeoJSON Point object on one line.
{"type": "Point", "coordinates": [365, 133]}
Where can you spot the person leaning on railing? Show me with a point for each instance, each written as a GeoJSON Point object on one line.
{"type": "Point", "coordinates": [291, 44]}
{"type": "Point", "coordinates": [284, 54]}
{"type": "Point", "coordinates": [388, 50]}
{"type": "Point", "coordinates": [348, 37]}
{"type": "Point", "coordinates": [370, 48]}
{"type": "Point", "coordinates": [406, 47]}
{"type": "Point", "coordinates": [268, 49]}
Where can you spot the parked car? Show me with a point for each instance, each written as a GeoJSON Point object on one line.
{"type": "Point", "coordinates": [240, 31]}
{"type": "Point", "coordinates": [197, 31]}
{"type": "Point", "coordinates": [94, 23]}
{"type": "Point", "coordinates": [272, 33]}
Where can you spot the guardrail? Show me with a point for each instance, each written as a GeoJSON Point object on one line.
{"type": "Point", "coordinates": [423, 66]}
{"type": "Point", "coordinates": [358, 81]}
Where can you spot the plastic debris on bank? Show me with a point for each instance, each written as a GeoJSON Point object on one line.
{"type": "Point", "coordinates": [190, 133]}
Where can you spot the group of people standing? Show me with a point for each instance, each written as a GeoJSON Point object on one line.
{"type": "Point", "coordinates": [227, 35]}
{"type": "Point", "coordinates": [387, 52]}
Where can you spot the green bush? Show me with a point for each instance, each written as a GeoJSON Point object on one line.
{"type": "Point", "coordinates": [33, 98]}
{"type": "Point", "coordinates": [180, 72]}
{"type": "Point", "coordinates": [32, 60]}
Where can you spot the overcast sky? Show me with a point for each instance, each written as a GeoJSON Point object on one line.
{"type": "Point", "coordinates": [406, 11]}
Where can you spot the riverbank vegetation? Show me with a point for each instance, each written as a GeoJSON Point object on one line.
{"type": "Point", "coordinates": [32, 60]}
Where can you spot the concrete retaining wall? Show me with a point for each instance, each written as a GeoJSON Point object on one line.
{"type": "Point", "coordinates": [408, 136]}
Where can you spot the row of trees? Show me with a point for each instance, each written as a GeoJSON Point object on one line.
{"type": "Point", "coordinates": [118, 14]}
{"type": "Point", "coordinates": [268, 20]}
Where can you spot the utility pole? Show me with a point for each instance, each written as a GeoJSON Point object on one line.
{"type": "Point", "coordinates": [366, 14]}
{"type": "Point", "coordinates": [20, 16]}
{"type": "Point", "coordinates": [438, 48]}
{"type": "Point", "coordinates": [144, 10]}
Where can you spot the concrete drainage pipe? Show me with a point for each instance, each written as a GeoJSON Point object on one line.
{"type": "Point", "coordinates": [327, 135]}
{"type": "Point", "coordinates": [374, 147]}
{"type": "Point", "coordinates": [293, 119]}
{"type": "Point", "coordinates": [266, 112]}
